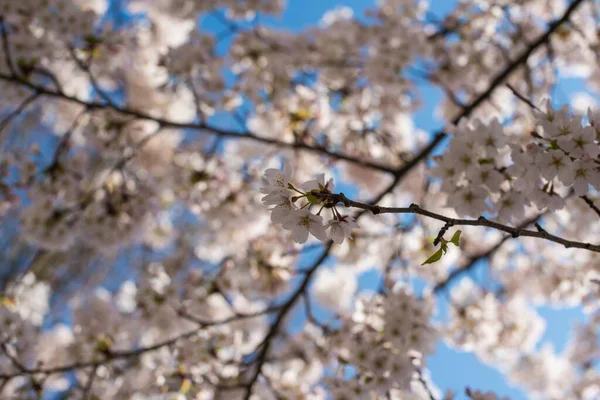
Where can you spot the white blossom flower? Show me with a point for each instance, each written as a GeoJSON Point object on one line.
{"type": "Point", "coordinates": [555, 163]}
{"type": "Point", "coordinates": [318, 184]}
{"type": "Point", "coordinates": [491, 136]}
{"type": "Point", "coordinates": [469, 201]}
{"type": "Point", "coordinates": [586, 175]}
{"type": "Point", "coordinates": [277, 180]}
{"type": "Point", "coordinates": [580, 143]}
{"type": "Point", "coordinates": [303, 222]}
{"type": "Point", "coordinates": [341, 228]}
{"type": "Point", "coordinates": [283, 205]}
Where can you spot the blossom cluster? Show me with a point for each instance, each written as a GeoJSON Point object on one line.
{"type": "Point", "coordinates": [386, 341]}
{"type": "Point", "coordinates": [57, 21]}
{"type": "Point", "coordinates": [479, 179]}
{"type": "Point", "coordinates": [282, 196]}
{"type": "Point", "coordinates": [498, 332]}
{"type": "Point", "coordinates": [63, 210]}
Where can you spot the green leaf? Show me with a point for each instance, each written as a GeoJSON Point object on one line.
{"type": "Point", "coordinates": [455, 238]}
{"type": "Point", "coordinates": [435, 257]}
{"type": "Point", "coordinates": [312, 199]}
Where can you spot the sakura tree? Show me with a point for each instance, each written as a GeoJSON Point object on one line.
{"type": "Point", "coordinates": [187, 211]}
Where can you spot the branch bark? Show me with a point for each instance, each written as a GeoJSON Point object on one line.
{"type": "Point", "coordinates": [514, 231]}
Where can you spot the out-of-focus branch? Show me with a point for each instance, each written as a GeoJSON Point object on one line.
{"type": "Point", "coordinates": [267, 342]}
{"type": "Point", "coordinates": [201, 126]}
{"type": "Point", "coordinates": [591, 204]}
{"type": "Point", "coordinates": [85, 67]}
{"type": "Point", "coordinates": [110, 356]}
{"type": "Point", "coordinates": [6, 47]}
{"type": "Point", "coordinates": [18, 111]}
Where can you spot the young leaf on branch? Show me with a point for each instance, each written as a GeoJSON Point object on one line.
{"type": "Point", "coordinates": [443, 248]}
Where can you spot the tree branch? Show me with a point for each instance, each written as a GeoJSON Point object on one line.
{"type": "Point", "coordinates": [269, 338]}
{"type": "Point", "coordinates": [116, 355]}
{"type": "Point", "coordinates": [481, 221]}
{"type": "Point", "coordinates": [591, 204]}
{"type": "Point", "coordinates": [17, 111]}
{"type": "Point", "coordinates": [201, 126]}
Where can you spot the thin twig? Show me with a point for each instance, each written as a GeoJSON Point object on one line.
{"type": "Point", "coordinates": [17, 111]}
{"type": "Point", "coordinates": [590, 203]}
{"type": "Point", "coordinates": [6, 47]}
{"type": "Point", "coordinates": [425, 385]}
{"type": "Point", "coordinates": [268, 340]}
{"type": "Point", "coordinates": [86, 68]}
{"type": "Point", "coordinates": [116, 355]}
{"type": "Point", "coordinates": [90, 382]}
{"type": "Point", "coordinates": [522, 98]}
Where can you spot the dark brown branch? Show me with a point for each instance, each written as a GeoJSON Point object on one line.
{"type": "Point", "coordinates": [17, 111]}
{"type": "Point", "coordinates": [514, 231]}
{"type": "Point", "coordinates": [64, 142]}
{"type": "Point", "coordinates": [522, 97]}
{"type": "Point", "coordinates": [85, 67]}
{"type": "Point", "coordinates": [12, 359]}
{"type": "Point", "coordinates": [287, 306]}
{"type": "Point", "coordinates": [201, 126]}
{"type": "Point", "coordinates": [494, 84]}
{"type": "Point", "coordinates": [310, 316]}
{"type": "Point", "coordinates": [6, 48]}
{"type": "Point", "coordinates": [89, 383]}
{"type": "Point", "coordinates": [590, 203]}
{"type": "Point", "coordinates": [522, 59]}
{"type": "Point", "coordinates": [425, 385]}
{"type": "Point", "coordinates": [124, 354]}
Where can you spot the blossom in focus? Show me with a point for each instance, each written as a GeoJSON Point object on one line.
{"type": "Point", "coordinates": [341, 228]}
{"type": "Point", "coordinates": [303, 222]}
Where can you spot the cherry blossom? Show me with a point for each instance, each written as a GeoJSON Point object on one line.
{"type": "Point", "coordinates": [303, 222]}
{"type": "Point", "coordinates": [341, 228]}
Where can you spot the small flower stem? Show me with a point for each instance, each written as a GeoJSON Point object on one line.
{"type": "Point", "coordinates": [290, 186]}
{"type": "Point", "coordinates": [336, 213]}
